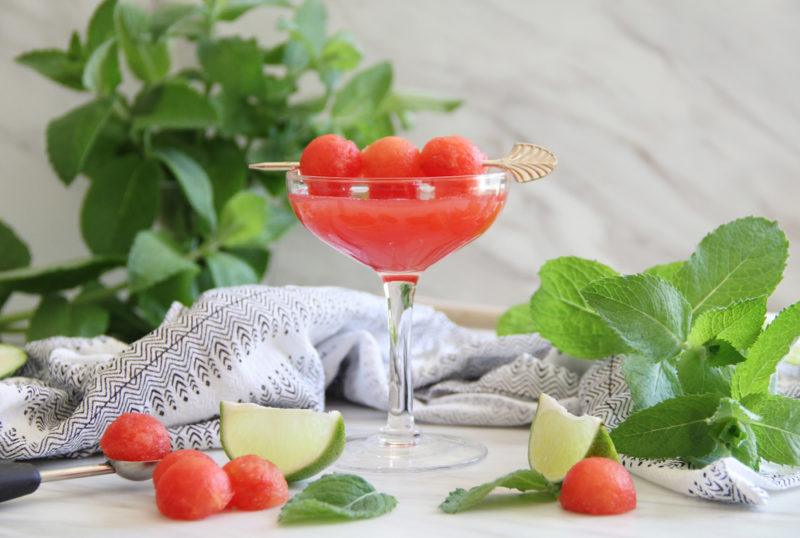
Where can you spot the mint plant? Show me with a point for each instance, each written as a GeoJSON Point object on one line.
{"type": "Point", "coordinates": [171, 205]}
{"type": "Point", "coordinates": [698, 360]}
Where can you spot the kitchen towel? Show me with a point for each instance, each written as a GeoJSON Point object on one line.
{"type": "Point", "coordinates": [286, 347]}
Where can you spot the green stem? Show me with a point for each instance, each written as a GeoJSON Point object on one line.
{"type": "Point", "coordinates": [88, 297]}
{"type": "Point", "coordinates": [16, 316]}
{"type": "Point", "coordinates": [203, 250]}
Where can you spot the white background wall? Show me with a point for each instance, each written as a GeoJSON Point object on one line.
{"type": "Point", "coordinates": [668, 118]}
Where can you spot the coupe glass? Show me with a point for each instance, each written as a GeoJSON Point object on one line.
{"type": "Point", "coordinates": [399, 227]}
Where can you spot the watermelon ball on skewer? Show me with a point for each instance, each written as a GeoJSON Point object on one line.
{"type": "Point", "coordinates": [452, 156]}
{"type": "Point", "coordinates": [330, 156]}
{"type": "Point", "coordinates": [391, 157]}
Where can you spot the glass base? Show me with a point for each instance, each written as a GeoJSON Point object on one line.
{"type": "Point", "coordinates": [370, 453]}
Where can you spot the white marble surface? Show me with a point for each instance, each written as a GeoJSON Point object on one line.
{"type": "Point", "coordinates": [669, 118]}
{"type": "Point", "coordinates": [110, 506]}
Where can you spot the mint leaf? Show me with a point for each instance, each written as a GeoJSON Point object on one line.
{"type": "Point", "coordinates": [55, 316]}
{"type": "Point", "coordinates": [698, 376]}
{"type": "Point", "coordinates": [123, 199]}
{"type": "Point", "coordinates": [228, 270]}
{"type": "Point", "coordinates": [236, 63]}
{"type": "Point", "coordinates": [308, 25]}
{"type": "Point", "coordinates": [101, 74]}
{"type": "Point", "coordinates": [336, 497]}
{"type": "Point", "coordinates": [743, 259]}
{"type": "Point", "coordinates": [64, 276]}
{"type": "Point", "coordinates": [256, 258]}
{"type": "Point", "coordinates": [778, 431]}
{"type": "Point", "coordinates": [148, 59]}
{"type": "Point", "coordinates": [516, 320]}
{"type": "Point", "coordinates": [111, 142]}
{"type": "Point", "coordinates": [51, 318]}
{"type": "Point", "coordinates": [194, 183]}
{"type": "Point", "coordinates": [731, 427]}
{"type": "Point", "coordinates": [364, 92]}
{"type": "Point", "coordinates": [243, 221]}
{"type": "Point", "coordinates": [401, 102]}
{"type": "Point", "coordinates": [173, 105]}
{"type": "Point", "coordinates": [14, 252]}
{"type": "Point", "coordinates": [101, 25]}
{"type": "Point", "coordinates": [721, 353]}
{"type": "Point", "coordinates": [561, 314]}
{"type": "Point", "coordinates": [87, 320]}
{"type": "Point", "coordinates": [56, 65]}
{"type": "Point", "coordinates": [341, 52]}
{"type": "Point", "coordinates": [674, 428]}
{"type": "Point", "coordinates": [647, 312]}
{"type": "Point", "coordinates": [226, 166]}
{"type": "Point", "coordinates": [177, 20]}
{"type": "Point", "coordinates": [154, 302]}
{"type": "Point", "coordinates": [739, 323]}
{"type": "Point", "coordinates": [152, 260]}
{"type": "Point", "coordinates": [667, 271]}
{"type": "Point", "coordinates": [523, 480]}
{"type": "Point", "coordinates": [753, 375]}
{"type": "Point", "coordinates": [70, 138]}
{"type": "Point", "coordinates": [230, 10]}
{"type": "Point", "coordinates": [650, 381]}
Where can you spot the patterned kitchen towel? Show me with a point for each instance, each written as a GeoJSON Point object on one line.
{"type": "Point", "coordinates": [284, 347]}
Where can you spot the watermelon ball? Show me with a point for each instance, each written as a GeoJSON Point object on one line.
{"type": "Point", "coordinates": [174, 457]}
{"type": "Point", "coordinates": [331, 155]}
{"type": "Point", "coordinates": [257, 483]}
{"type": "Point", "coordinates": [391, 156]}
{"type": "Point", "coordinates": [598, 486]}
{"type": "Point", "coordinates": [135, 437]}
{"type": "Point", "coordinates": [193, 488]}
{"type": "Point", "coordinates": [451, 156]}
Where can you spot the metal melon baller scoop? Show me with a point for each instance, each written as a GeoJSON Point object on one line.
{"type": "Point", "coordinates": [18, 479]}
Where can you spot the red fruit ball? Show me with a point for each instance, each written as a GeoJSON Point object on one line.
{"type": "Point", "coordinates": [391, 156]}
{"type": "Point", "coordinates": [193, 488]}
{"type": "Point", "coordinates": [257, 483]}
{"type": "Point", "coordinates": [451, 156]}
{"type": "Point", "coordinates": [331, 156]}
{"type": "Point", "coordinates": [598, 486]}
{"type": "Point", "coordinates": [135, 437]}
{"type": "Point", "coordinates": [174, 457]}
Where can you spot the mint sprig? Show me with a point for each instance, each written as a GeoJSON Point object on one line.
{"type": "Point", "coordinates": [560, 312]}
{"type": "Point", "coordinates": [533, 484]}
{"type": "Point", "coordinates": [698, 362]}
{"type": "Point", "coordinates": [336, 497]}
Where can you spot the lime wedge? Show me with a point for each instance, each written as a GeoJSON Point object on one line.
{"type": "Point", "coordinates": [11, 359]}
{"type": "Point", "coordinates": [559, 439]}
{"type": "Point", "coordinates": [299, 442]}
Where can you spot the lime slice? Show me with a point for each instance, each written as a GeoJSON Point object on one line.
{"type": "Point", "coordinates": [559, 439]}
{"type": "Point", "coordinates": [299, 442]}
{"type": "Point", "coordinates": [11, 359]}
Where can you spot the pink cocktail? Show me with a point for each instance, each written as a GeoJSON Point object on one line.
{"type": "Point", "coordinates": [399, 227]}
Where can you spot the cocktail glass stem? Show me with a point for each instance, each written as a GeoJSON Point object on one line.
{"type": "Point", "coordinates": [400, 429]}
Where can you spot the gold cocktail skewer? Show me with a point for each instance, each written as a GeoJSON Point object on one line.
{"type": "Point", "coordinates": [526, 162]}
